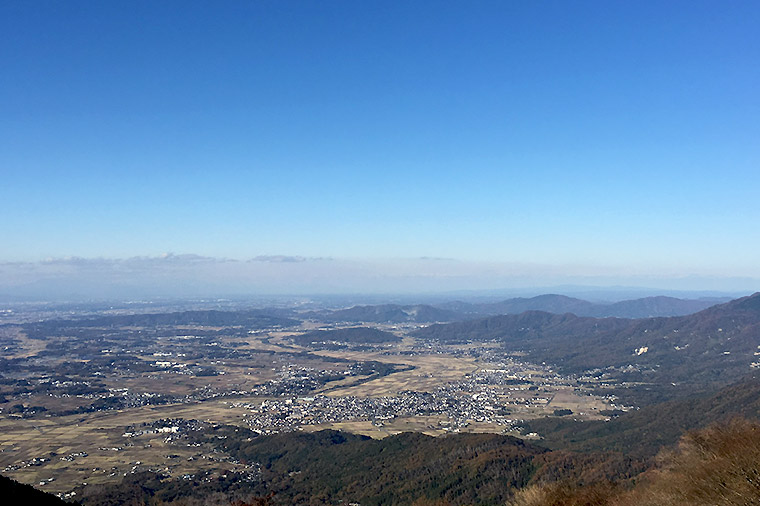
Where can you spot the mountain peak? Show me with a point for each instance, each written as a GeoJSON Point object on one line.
{"type": "Point", "coordinates": [749, 303]}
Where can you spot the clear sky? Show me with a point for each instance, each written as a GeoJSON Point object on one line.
{"type": "Point", "coordinates": [609, 133]}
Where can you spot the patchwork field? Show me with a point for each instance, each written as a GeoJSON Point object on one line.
{"type": "Point", "coordinates": [108, 452]}
{"type": "Point", "coordinates": [91, 404]}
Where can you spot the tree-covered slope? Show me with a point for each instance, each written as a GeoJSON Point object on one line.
{"type": "Point", "coordinates": [641, 433]}
{"type": "Point", "coordinates": [15, 493]}
{"type": "Point", "coordinates": [711, 348]}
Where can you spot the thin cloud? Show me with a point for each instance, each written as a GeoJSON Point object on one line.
{"type": "Point", "coordinates": [278, 259]}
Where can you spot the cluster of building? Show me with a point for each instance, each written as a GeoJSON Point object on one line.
{"type": "Point", "coordinates": [489, 396]}
{"type": "Point", "coordinates": [295, 379]}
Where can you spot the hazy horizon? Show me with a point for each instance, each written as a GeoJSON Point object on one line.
{"type": "Point", "coordinates": [197, 276]}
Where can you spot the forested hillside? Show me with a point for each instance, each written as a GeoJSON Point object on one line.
{"type": "Point", "coordinates": [642, 433]}
{"type": "Point", "coordinates": [672, 355]}
{"type": "Point", "coordinates": [331, 467]}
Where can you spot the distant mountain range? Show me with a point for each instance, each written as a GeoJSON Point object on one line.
{"type": "Point", "coordinates": [712, 347]}
{"type": "Point", "coordinates": [646, 307]}
{"type": "Point", "coordinates": [558, 304]}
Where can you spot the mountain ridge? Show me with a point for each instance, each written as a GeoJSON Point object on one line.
{"type": "Point", "coordinates": [645, 307]}
{"type": "Point", "coordinates": [712, 347]}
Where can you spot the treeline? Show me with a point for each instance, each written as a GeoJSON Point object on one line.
{"type": "Point", "coordinates": [211, 318]}
{"type": "Point", "coordinates": [360, 335]}
{"type": "Point", "coordinates": [329, 467]}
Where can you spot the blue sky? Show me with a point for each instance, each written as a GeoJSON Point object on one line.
{"type": "Point", "coordinates": [617, 135]}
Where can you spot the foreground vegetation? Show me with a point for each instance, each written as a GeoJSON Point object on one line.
{"type": "Point", "coordinates": [719, 465]}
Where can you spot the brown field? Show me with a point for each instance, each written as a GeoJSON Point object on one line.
{"type": "Point", "coordinates": [24, 439]}
{"type": "Point", "coordinates": [430, 372]}
{"type": "Point", "coordinates": [584, 406]}
{"type": "Point", "coordinates": [28, 347]}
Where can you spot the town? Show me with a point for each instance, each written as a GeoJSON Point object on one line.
{"type": "Point", "coordinates": [119, 378]}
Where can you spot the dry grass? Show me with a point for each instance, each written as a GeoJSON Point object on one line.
{"type": "Point", "coordinates": [717, 466]}
{"type": "Point", "coordinates": [565, 494]}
